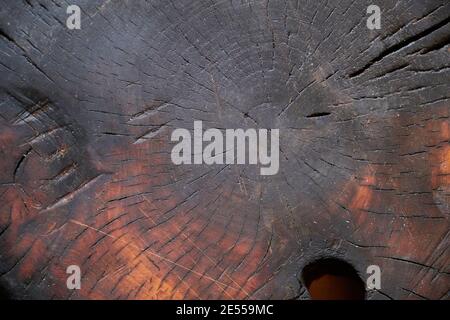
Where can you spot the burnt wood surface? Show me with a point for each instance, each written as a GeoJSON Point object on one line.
{"type": "Point", "coordinates": [86, 117]}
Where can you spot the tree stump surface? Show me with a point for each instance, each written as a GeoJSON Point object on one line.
{"type": "Point", "coordinates": [86, 118]}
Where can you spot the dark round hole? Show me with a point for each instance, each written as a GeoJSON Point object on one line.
{"type": "Point", "coordinates": [333, 279]}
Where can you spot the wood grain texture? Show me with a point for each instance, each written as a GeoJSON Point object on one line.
{"type": "Point", "coordinates": [85, 123]}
